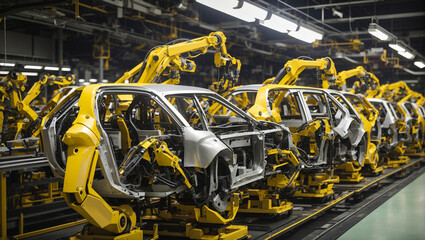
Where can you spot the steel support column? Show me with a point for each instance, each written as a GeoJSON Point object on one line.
{"type": "Point", "coordinates": [3, 207]}
{"type": "Point", "coordinates": [60, 50]}
{"type": "Point", "coordinates": [100, 70]}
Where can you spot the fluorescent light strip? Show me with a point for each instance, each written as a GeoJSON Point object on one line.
{"type": "Point", "coordinates": [35, 67]}
{"type": "Point", "coordinates": [279, 24]}
{"type": "Point", "coordinates": [407, 55]}
{"type": "Point", "coordinates": [252, 11]}
{"type": "Point", "coordinates": [306, 35]}
{"type": "Point", "coordinates": [105, 80]}
{"type": "Point", "coordinates": [379, 34]}
{"type": "Point", "coordinates": [248, 12]}
{"type": "Point", "coordinates": [81, 80]}
{"type": "Point", "coordinates": [29, 73]}
{"type": "Point", "coordinates": [86, 83]}
{"type": "Point", "coordinates": [66, 69]}
{"type": "Point", "coordinates": [4, 72]}
{"type": "Point", "coordinates": [397, 47]}
{"type": "Point", "coordinates": [420, 64]}
{"type": "Point", "coordinates": [92, 80]}
{"type": "Point", "coordinates": [51, 68]}
{"type": "Point", "coordinates": [3, 64]}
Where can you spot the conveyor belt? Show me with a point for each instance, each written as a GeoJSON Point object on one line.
{"type": "Point", "coordinates": [22, 162]}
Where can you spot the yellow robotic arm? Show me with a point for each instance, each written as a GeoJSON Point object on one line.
{"type": "Point", "coordinates": [83, 156]}
{"type": "Point", "coordinates": [371, 81]}
{"type": "Point", "coordinates": [420, 100]}
{"type": "Point", "coordinates": [367, 84]}
{"type": "Point", "coordinates": [293, 68]}
{"type": "Point", "coordinates": [392, 92]}
{"type": "Point", "coordinates": [24, 105]}
{"type": "Point", "coordinates": [11, 88]}
{"type": "Point", "coordinates": [341, 83]}
{"type": "Point", "coordinates": [167, 60]}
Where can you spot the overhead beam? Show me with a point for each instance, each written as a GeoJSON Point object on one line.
{"type": "Point", "coordinates": [29, 5]}
{"type": "Point", "coordinates": [400, 34]}
{"type": "Point", "coordinates": [320, 6]}
{"type": "Point", "coordinates": [413, 72]}
{"type": "Point", "coordinates": [85, 28]}
{"type": "Point", "coordinates": [377, 17]}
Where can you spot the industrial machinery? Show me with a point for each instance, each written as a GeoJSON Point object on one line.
{"type": "Point", "coordinates": [399, 127]}
{"type": "Point", "coordinates": [400, 93]}
{"type": "Point", "coordinates": [11, 88]}
{"type": "Point", "coordinates": [161, 144]}
{"type": "Point", "coordinates": [409, 101]}
{"type": "Point", "coordinates": [394, 133]}
{"type": "Point", "coordinates": [18, 117]}
{"type": "Point", "coordinates": [281, 105]}
{"type": "Point", "coordinates": [366, 83]}
{"type": "Point", "coordinates": [323, 131]}
{"type": "Point", "coordinates": [288, 75]}
{"type": "Point", "coordinates": [361, 110]}
{"type": "Point", "coordinates": [31, 186]}
{"type": "Point", "coordinates": [372, 126]}
{"type": "Point", "coordinates": [163, 63]}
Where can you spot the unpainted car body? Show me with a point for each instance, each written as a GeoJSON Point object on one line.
{"type": "Point", "coordinates": [337, 136]}
{"type": "Point", "coordinates": [415, 122]}
{"type": "Point", "coordinates": [216, 154]}
{"type": "Point", "coordinates": [394, 130]}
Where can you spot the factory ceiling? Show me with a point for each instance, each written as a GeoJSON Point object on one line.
{"type": "Point", "coordinates": [135, 26]}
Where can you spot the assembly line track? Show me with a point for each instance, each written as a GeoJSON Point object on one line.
{"type": "Point", "coordinates": [22, 162]}
{"type": "Point", "coordinates": [269, 228]}
{"type": "Point", "coordinates": [275, 228]}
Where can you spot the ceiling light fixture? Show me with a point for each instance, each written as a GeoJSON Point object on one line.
{"type": "Point", "coordinates": [253, 11]}
{"type": "Point", "coordinates": [3, 64]}
{"type": "Point", "coordinates": [92, 80]}
{"type": "Point", "coordinates": [306, 35]}
{"type": "Point", "coordinates": [397, 46]}
{"type": "Point", "coordinates": [4, 72]}
{"type": "Point", "coordinates": [66, 69]}
{"type": "Point", "coordinates": [420, 64]}
{"type": "Point", "coordinates": [29, 73]}
{"type": "Point", "coordinates": [380, 32]}
{"type": "Point", "coordinates": [35, 67]}
{"type": "Point", "coordinates": [407, 54]}
{"type": "Point", "coordinates": [279, 24]}
{"type": "Point", "coordinates": [247, 12]}
{"type": "Point", "coordinates": [81, 80]}
{"type": "Point", "coordinates": [51, 68]}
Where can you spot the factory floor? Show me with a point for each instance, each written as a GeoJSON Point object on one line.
{"type": "Point", "coordinates": [401, 217]}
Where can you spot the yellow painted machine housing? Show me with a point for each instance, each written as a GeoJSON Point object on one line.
{"type": "Point", "coordinates": [293, 68]}
{"type": "Point", "coordinates": [82, 140]}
